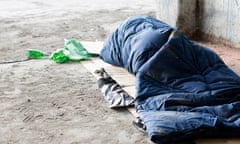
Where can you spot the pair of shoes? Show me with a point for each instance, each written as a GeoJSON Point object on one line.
{"type": "Point", "coordinates": [139, 125]}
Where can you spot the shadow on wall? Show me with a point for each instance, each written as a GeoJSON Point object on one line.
{"type": "Point", "coordinates": [203, 19]}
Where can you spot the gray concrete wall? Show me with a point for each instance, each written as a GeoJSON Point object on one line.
{"type": "Point", "coordinates": [178, 13]}
{"type": "Point", "coordinates": [216, 20]}
{"type": "Point", "coordinates": [167, 11]}
{"type": "Point", "coordinates": [221, 19]}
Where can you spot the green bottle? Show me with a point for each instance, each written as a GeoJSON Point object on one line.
{"type": "Point", "coordinates": [36, 54]}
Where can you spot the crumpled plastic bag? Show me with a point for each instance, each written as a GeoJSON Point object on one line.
{"type": "Point", "coordinates": [72, 51]}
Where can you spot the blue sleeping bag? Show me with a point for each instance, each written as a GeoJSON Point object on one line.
{"type": "Point", "coordinates": [183, 90]}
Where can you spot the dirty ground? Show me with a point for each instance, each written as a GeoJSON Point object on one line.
{"type": "Point", "coordinates": [44, 102]}
{"type": "Point", "coordinates": [48, 103]}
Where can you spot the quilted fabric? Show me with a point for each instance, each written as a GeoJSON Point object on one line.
{"type": "Point", "coordinates": [183, 90]}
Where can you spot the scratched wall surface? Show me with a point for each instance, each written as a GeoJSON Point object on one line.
{"type": "Point", "coordinates": [221, 18]}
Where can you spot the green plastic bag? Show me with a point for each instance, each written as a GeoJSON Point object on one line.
{"type": "Point", "coordinates": [72, 51]}
{"type": "Point", "coordinates": [59, 57]}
